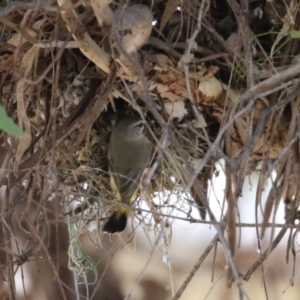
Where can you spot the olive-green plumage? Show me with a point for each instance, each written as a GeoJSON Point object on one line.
{"type": "Point", "coordinates": [129, 153]}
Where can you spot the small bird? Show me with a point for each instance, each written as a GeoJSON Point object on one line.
{"type": "Point", "coordinates": [129, 153]}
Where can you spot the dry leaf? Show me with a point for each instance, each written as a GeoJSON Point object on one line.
{"type": "Point", "coordinates": [24, 121]}
{"type": "Point", "coordinates": [170, 8]}
{"type": "Point", "coordinates": [102, 11]}
{"type": "Point", "coordinates": [185, 59]}
{"type": "Point", "coordinates": [231, 94]}
{"type": "Point", "coordinates": [88, 47]}
{"type": "Point", "coordinates": [175, 109]}
{"type": "Point", "coordinates": [234, 42]}
{"type": "Point", "coordinates": [199, 122]}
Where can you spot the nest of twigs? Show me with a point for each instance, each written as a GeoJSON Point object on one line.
{"type": "Point", "coordinates": [214, 81]}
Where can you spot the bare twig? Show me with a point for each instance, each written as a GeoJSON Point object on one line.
{"type": "Point", "coordinates": [49, 258]}
{"type": "Point", "coordinates": [198, 188]}
{"type": "Point", "coordinates": [195, 268]}
{"type": "Point", "coordinates": [271, 83]}
{"type": "Point", "coordinates": [5, 220]}
{"type": "Point", "coordinates": [13, 5]}
{"type": "Point", "coordinates": [89, 48]}
{"type": "Point", "coordinates": [265, 254]}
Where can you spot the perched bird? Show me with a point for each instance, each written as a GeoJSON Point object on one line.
{"type": "Point", "coordinates": [129, 153]}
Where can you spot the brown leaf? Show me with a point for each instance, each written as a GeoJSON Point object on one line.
{"type": "Point", "coordinates": [168, 12]}
{"type": "Point", "coordinates": [24, 121]}
{"type": "Point", "coordinates": [231, 221]}
{"type": "Point", "coordinates": [271, 201]}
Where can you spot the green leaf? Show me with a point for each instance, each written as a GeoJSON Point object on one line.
{"type": "Point", "coordinates": [8, 125]}
{"type": "Point", "coordinates": [295, 34]}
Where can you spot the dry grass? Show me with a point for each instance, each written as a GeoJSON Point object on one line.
{"type": "Point", "coordinates": [68, 71]}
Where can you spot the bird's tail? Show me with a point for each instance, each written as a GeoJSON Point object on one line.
{"type": "Point", "coordinates": [117, 221]}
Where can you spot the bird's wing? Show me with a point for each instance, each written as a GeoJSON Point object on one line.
{"type": "Point", "coordinates": [126, 182]}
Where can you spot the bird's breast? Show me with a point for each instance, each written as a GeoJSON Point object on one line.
{"type": "Point", "coordinates": [126, 154]}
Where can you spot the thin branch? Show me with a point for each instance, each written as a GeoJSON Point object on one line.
{"type": "Point", "coordinates": [264, 86]}
{"type": "Point", "coordinates": [195, 268]}
{"type": "Point", "coordinates": [265, 254]}
{"type": "Point", "coordinates": [198, 187]}
{"type": "Point", "coordinates": [55, 271]}
{"type": "Point", "coordinates": [13, 5]}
